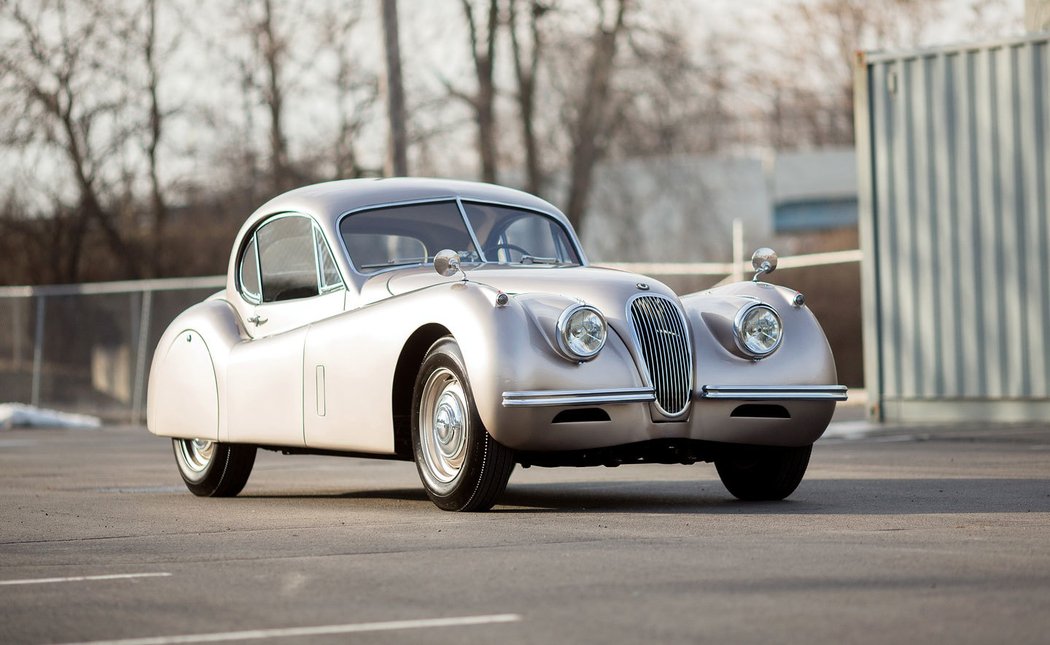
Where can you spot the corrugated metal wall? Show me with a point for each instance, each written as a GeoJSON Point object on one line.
{"type": "Point", "coordinates": [954, 155]}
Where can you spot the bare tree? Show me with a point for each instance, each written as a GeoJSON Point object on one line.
{"type": "Point", "coordinates": [271, 48]}
{"type": "Point", "coordinates": [526, 68]}
{"type": "Point", "coordinates": [154, 133]}
{"type": "Point", "coordinates": [670, 95]}
{"type": "Point", "coordinates": [39, 248]}
{"type": "Point", "coordinates": [52, 74]}
{"type": "Point", "coordinates": [590, 126]}
{"type": "Point", "coordinates": [483, 101]}
{"type": "Point", "coordinates": [814, 104]}
{"type": "Point", "coordinates": [355, 89]}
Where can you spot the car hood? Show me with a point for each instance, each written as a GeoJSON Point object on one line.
{"type": "Point", "coordinates": [607, 289]}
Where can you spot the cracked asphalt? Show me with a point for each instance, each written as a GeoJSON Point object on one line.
{"type": "Point", "coordinates": [931, 534]}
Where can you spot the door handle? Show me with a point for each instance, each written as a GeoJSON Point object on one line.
{"type": "Point", "coordinates": [258, 320]}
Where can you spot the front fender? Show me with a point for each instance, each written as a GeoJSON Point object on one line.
{"type": "Point", "coordinates": [513, 349]}
{"type": "Point", "coordinates": [803, 358]}
{"type": "Point", "coordinates": [350, 362]}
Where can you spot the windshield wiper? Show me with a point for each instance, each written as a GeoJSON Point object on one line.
{"type": "Point", "coordinates": [535, 259]}
{"type": "Point", "coordinates": [394, 263]}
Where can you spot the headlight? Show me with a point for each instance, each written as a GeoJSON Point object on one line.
{"type": "Point", "coordinates": [581, 332]}
{"type": "Point", "coordinates": [758, 330]}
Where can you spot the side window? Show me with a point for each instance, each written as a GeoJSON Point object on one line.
{"type": "Point", "coordinates": [286, 258]}
{"type": "Point", "coordinates": [248, 273]}
{"type": "Point", "coordinates": [328, 272]}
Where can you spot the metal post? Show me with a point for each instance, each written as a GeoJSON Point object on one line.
{"type": "Point", "coordinates": [738, 250]}
{"type": "Point", "coordinates": [38, 350]}
{"type": "Point", "coordinates": [140, 357]}
{"type": "Point", "coordinates": [16, 332]}
{"type": "Point", "coordinates": [397, 145]}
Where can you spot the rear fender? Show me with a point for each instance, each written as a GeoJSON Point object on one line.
{"type": "Point", "coordinates": [187, 382]}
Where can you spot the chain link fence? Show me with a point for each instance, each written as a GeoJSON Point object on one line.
{"type": "Point", "coordinates": [87, 348]}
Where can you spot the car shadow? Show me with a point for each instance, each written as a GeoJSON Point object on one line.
{"type": "Point", "coordinates": [813, 497]}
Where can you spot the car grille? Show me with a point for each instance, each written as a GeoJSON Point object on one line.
{"type": "Point", "coordinates": [659, 328]}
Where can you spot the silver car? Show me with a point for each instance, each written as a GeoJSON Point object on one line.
{"type": "Point", "coordinates": [461, 326]}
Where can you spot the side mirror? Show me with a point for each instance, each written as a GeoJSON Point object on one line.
{"type": "Point", "coordinates": [764, 261]}
{"type": "Point", "coordinates": [446, 262]}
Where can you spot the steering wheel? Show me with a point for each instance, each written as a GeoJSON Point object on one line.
{"type": "Point", "coordinates": [504, 245]}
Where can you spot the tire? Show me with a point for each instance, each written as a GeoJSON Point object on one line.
{"type": "Point", "coordinates": [461, 466]}
{"type": "Point", "coordinates": [763, 474]}
{"type": "Point", "coordinates": [213, 469]}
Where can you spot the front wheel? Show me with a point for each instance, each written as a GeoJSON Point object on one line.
{"type": "Point", "coordinates": [461, 466]}
{"type": "Point", "coordinates": [763, 474]}
{"type": "Point", "coordinates": [213, 469]}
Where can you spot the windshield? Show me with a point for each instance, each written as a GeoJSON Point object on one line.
{"type": "Point", "coordinates": [402, 235]}
{"type": "Point", "coordinates": [413, 234]}
{"type": "Point", "coordinates": [515, 236]}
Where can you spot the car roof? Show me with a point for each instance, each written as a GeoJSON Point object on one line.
{"type": "Point", "coordinates": [329, 200]}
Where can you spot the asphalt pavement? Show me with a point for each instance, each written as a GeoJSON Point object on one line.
{"type": "Point", "coordinates": [928, 534]}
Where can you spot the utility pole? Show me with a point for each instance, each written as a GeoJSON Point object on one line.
{"type": "Point", "coordinates": [397, 157]}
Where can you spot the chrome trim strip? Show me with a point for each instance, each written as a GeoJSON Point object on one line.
{"type": "Point", "coordinates": [254, 236]}
{"type": "Point", "coordinates": [470, 229]}
{"type": "Point", "coordinates": [556, 398]}
{"type": "Point", "coordinates": [570, 232]}
{"type": "Point", "coordinates": [774, 392]}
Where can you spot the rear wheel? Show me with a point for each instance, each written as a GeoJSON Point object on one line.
{"type": "Point", "coordinates": [213, 469]}
{"type": "Point", "coordinates": [461, 466]}
{"type": "Point", "coordinates": [763, 474]}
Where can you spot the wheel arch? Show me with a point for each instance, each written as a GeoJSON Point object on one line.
{"type": "Point", "coordinates": [408, 362]}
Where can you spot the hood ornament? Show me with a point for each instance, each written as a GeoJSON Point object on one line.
{"type": "Point", "coordinates": [642, 286]}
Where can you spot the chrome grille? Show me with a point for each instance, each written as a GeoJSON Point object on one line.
{"type": "Point", "coordinates": [659, 328]}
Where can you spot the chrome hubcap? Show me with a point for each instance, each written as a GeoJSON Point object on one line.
{"type": "Point", "coordinates": [443, 427]}
{"type": "Point", "coordinates": [197, 453]}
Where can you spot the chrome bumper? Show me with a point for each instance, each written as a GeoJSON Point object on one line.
{"type": "Point", "coordinates": [556, 398]}
{"type": "Point", "coordinates": [561, 398]}
{"type": "Point", "coordinates": [774, 392]}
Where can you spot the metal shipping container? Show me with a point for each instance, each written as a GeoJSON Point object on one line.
{"type": "Point", "coordinates": [953, 150]}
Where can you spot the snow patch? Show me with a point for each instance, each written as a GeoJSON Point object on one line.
{"type": "Point", "coordinates": [18, 415]}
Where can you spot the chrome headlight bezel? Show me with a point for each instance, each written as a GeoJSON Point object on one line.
{"type": "Point", "coordinates": [564, 343]}
{"type": "Point", "coordinates": [738, 330]}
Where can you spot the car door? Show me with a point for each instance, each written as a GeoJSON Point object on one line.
{"type": "Point", "coordinates": [287, 276]}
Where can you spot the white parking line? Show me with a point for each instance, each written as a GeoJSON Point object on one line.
{"type": "Point", "coordinates": [323, 630]}
{"type": "Point", "coordinates": [116, 576]}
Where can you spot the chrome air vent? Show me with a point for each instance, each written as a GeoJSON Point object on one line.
{"type": "Point", "coordinates": [660, 331]}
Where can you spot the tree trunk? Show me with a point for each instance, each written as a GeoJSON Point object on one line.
{"type": "Point", "coordinates": [160, 208]}
{"type": "Point", "coordinates": [90, 206]}
{"type": "Point", "coordinates": [484, 100]}
{"type": "Point", "coordinates": [526, 77]}
{"type": "Point", "coordinates": [592, 119]}
{"type": "Point", "coordinates": [397, 147]}
{"type": "Point", "coordinates": [273, 51]}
